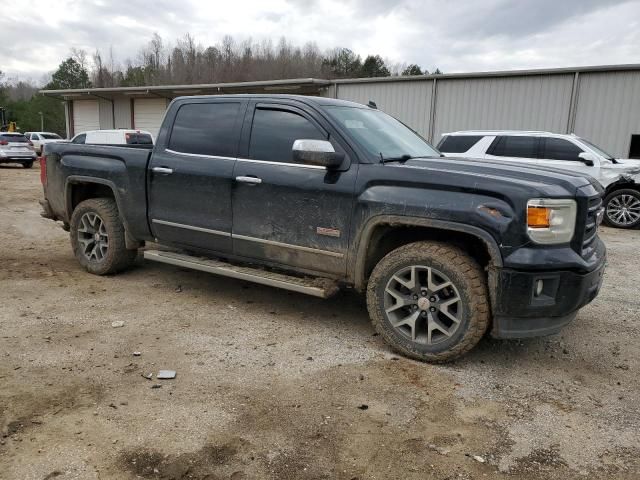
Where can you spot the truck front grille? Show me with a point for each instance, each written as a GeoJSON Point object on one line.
{"type": "Point", "coordinates": [591, 226]}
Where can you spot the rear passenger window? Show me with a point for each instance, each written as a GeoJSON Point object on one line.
{"type": "Point", "coordinates": [458, 143]}
{"type": "Point", "coordinates": [514, 146]}
{"type": "Point", "coordinates": [559, 149]}
{"type": "Point", "coordinates": [274, 132]}
{"type": "Point", "coordinates": [206, 129]}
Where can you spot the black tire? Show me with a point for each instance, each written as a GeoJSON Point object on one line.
{"type": "Point", "coordinates": [27, 164]}
{"type": "Point", "coordinates": [468, 289]}
{"type": "Point", "coordinates": [115, 257]}
{"type": "Point", "coordinates": [617, 199]}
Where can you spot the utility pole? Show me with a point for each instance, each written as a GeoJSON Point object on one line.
{"type": "Point", "coordinates": [41, 121]}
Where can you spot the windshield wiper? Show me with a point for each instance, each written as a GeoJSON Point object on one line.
{"type": "Point", "coordinates": [400, 158]}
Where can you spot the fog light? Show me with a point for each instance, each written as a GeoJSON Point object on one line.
{"type": "Point", "coordinates": [539, 288]}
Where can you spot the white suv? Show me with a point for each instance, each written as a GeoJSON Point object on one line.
{"type": "Point", "coordinates": [619, 177]}
{"type": "Point", "coordinates": [39, 139]}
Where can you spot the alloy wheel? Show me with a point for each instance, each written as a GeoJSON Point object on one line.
{"type": "Point", "coordinates": [623, 210]}
{"type": "Point", "coordinates": [93, 237]}
{"type": "Point", "coordinates": [423, 304]}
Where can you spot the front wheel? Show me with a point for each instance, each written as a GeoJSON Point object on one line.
{"type": "Point", "coordinates": [622, 208]}
{"type": "Point", "coordinates": [98, 237]}
{"type": "Point", "coordinates": [429, 301]}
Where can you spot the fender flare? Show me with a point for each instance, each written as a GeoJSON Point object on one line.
{"type": "Point", "coordinates": [82, 179]}
{"type": "Point", "coordinates": [372, 223]}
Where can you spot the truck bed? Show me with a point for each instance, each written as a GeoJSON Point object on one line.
{"type": "Point", "coordinates": [122, 169]}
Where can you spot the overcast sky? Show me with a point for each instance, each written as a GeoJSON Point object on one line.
{"type": "Point", "coordinates": [454, 35]}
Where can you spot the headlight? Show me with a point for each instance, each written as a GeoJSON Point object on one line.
{"type": "Point", "coordinates": [551, 220]}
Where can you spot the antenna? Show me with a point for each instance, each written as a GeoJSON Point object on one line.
{"type": "Point", "coordinates": [372, 104]}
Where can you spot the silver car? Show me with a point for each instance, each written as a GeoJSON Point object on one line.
{"type": "Point", "coordinates": [15, 148]}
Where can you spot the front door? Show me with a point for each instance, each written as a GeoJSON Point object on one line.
{"type": "Point", "coordinates": [561, 153]}
{"type": "Point", "coordinates": [191, 176]}
{"type": "Point", "coordinates": [284, 212]}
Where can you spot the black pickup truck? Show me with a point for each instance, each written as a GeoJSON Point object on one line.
{"type": "Point", "coordinates": [314, 194]}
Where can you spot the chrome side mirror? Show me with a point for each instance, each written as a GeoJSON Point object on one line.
{"type": "Point", "coordinates": [316, 152]}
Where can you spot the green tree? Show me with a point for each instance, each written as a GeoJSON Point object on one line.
{"type": "Point", "coordinates": [436, 72]}
{"type": "Point", "coordinates": [374, 66]}
{"type": "Point", "coordinates": [413, 69]}
{"type": "Point", "coordinates": [343, 63]}
{"type": "Point", "coordinates": [69, 74]}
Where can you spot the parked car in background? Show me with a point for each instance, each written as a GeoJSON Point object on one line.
{"type": "Point", "coordinates": [114, 137]}
{"type": "Point", "coordinates": [38, 139]}
{"type": "Point", "coordinates": [619, 177]}
{"type": "Point", "coordinates": [16, 148]}
{"type": "Point", "coordinates": [311, 194]}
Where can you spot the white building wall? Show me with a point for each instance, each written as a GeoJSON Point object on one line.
{"type": "Point", "coordinates": [608, 109]}
{"type": "Point", "coordinates": [408, 101]}
{"type": "Point", "coordinates": [540, 102]}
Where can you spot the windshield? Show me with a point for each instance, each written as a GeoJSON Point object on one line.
{"type": "Point", "coordinates": [597, 149]}
{"type": "Point", "coordinates": [50, 136]}
{"type": "Point", "coordinates": [380, 134]}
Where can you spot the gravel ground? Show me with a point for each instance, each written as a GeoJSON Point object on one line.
{"type": "Point", "coordinates": [278, 385]}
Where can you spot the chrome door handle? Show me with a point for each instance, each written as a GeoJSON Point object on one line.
{"type": "Point", "coordinates": [250, 180]}
{"type": "Point", "coordinates": [165, 170]}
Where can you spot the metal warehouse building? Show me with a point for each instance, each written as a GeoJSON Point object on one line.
{"type": "Point", "coordinates": [600, 103]}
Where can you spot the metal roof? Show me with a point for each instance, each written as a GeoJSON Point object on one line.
{"type": "Point", "coordinates": [499, 73]}
{"type": "Point", "coordinates": [297, 85]}
{"type": "Point", "coordinates": [310, 85]}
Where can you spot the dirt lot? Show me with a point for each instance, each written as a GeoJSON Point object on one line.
{"type": "Point", "coordinates": [278, 385]}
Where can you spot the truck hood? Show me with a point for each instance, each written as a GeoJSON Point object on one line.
{"type": "Point", "coordinates": [543, 179]}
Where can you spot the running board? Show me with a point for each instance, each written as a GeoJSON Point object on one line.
{"type": "Point", "coordinates": [317, 287]}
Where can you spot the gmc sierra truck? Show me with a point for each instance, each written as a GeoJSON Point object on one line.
{"type": "Point", "coordinates": [314, 194]}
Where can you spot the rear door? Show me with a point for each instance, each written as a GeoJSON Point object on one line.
{"type": "Point", "coordinates": [284, 212]}
{"type": "Point", "coordinates": [515, 148]}
{"type": "Point", "coordinates": [191, 175]}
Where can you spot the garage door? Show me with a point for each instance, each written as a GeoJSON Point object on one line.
{"type": "Point", "coordinates": [148, 113]}
{"type": "Point", "coordinates": [85, 116]}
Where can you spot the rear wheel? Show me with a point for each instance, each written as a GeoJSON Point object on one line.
{"type": "Point", "coordinates": [27, 164]}
{"type": "Point", "coordinates": [429, 301]}
{"type": "Point", "coordinates": [622, 208]}
{"type": "Point", "coordinates": [98, 237]}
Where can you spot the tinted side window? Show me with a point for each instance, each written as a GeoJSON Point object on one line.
{"type": "Point", "coordinates": [458, 143]}
{"type": "Point", "coordinates": [274, 132]}
{"type": "Point", "coordinates": [80, 138]}
{"type": "Point", "coordinates": [560, 149]}
{"type": "Point", "coordinates": [514, 146]}
{"type": "Point", "coordinates": [34, 136]}
{"type": "Point", "coordinates": [206, 129]}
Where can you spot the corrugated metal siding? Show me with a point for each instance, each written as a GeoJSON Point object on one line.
{"type": "Point", "coordinates": [329, 92]}
{"type": "Point", "coordinates": [122, 110]}
{"type": "Point", "coordinates": [408, 101]}
{"type": "Point", "coordinates": [106, 114]}
{"type": "Point", "coordinates": [538, 102]}
{"type": "Point", "coordinates": [608, 110]}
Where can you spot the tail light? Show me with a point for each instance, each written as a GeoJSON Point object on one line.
{"type": "Point", "coordinates": [43, 170]}
{"type": "Point", "coordinates": [4, 142]}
